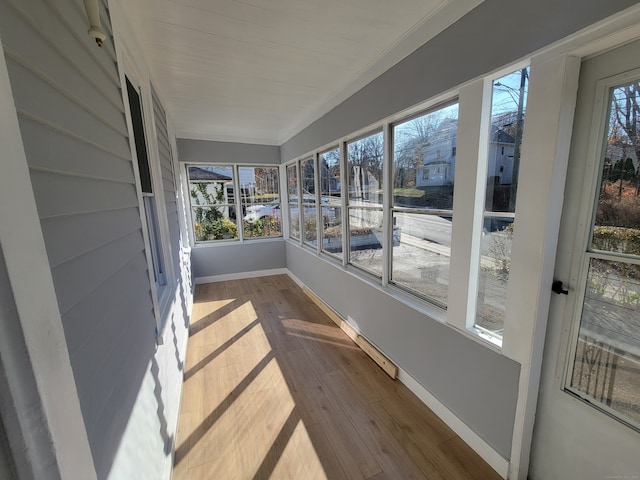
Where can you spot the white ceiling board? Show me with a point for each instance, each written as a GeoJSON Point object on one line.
{"type": "Point", "coordinates": [261, 70]}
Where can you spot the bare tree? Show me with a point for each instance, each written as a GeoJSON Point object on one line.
{"type": "Point", "coordinates": [625, 123]}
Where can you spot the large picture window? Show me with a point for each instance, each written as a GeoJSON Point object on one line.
{"type": "Point", "coordinates": [260, 199]}
{"type": "Point", "coordinates": [364, 170]}
{"type": "Point", "coordinates": [213, 205]}
{"type": "Point", "coordinates": [224, 197]}
{"type": "Point", "coordinates": [424, 163]}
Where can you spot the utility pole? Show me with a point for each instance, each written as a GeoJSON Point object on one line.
{"type": "Point", "coordinates": [517, 142]}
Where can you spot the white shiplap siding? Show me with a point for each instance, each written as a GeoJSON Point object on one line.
{"type": "Point", "coordinates": [71, 115]}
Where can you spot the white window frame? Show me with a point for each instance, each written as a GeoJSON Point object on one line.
{"type": "Point", "coordinates": [346, 235]}
{"type": "Point", "coordinates": [235, 167]}
{"type": "Point", "coordinates": [161, 295]}
{"type": "Point", "coordinates": [391, 209]}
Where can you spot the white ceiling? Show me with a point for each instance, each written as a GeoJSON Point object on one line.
{"type": "Point", "coordinates": [258, 71]}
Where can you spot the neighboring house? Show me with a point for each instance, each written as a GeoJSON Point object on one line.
{"type": "Point", "coordinates": [439, 157]}
{"type": "Point", "coordinates": [500, 158]}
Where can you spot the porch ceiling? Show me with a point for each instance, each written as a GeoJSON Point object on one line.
{"type": "Point", "coordinates": [258, 71]}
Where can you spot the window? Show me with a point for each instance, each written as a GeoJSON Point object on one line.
{"type": "Point", "coordinates": [260, 194]}
{"type": "Point", "coordinates": [331, 194]}
{"type": "Point", "coordinates": [213, 202]}
{"type": "Point", "coordinates": [225, 196]}
{"type": "Point", "coordinates": [309, 210]}
{"type": "Point", "coordinates": [294, 201]}
{"type": "Point", "coordinates": [605, 367]}
{"type": "Point", "coordinates": [422, 208]}
{"type": "Point", "coordinates": [508, 107]}
{"type": "Point", "coordinates": [364, 212]}
{"type": "Point", "coordinates": [146, 187]}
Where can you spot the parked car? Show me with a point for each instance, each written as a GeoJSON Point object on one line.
{"type": "Point", "coordinates": [263, 210]}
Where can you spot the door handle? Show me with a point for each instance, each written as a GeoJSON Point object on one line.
{"type": "Point", "coordinates": [556, 287]}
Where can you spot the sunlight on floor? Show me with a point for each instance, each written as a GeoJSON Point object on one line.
{"type": "Point", "coordinates": [273, 389]}
{"type": "Point", "coordinates": [238, 411]}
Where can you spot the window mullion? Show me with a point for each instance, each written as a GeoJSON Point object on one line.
{"type": "Point", "coordinates": [344, 192]}
{"type": "Point", "coordinates": [237, 202]}
{"type": "Point", "coordinates": [468, 203]}
{"type": "Point", "coordinates": [387, 196]}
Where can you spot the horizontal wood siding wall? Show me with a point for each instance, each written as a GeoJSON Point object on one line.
{"type": "Point", "coordinates": [71, 114]}
{"type": "Point", "coordinates": [168, 177]}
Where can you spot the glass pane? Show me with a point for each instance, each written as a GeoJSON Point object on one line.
{"type": "Point", "coordinates": [421, 254]}
{"type": "Point", "coordinates": [213, 223]}
{"type": "Point", "coordinates": [331, 202]}
{"type": "Point", "coordinates": [259, 188]}
{"type": "Point", "coordinates": [294, 213]}
{"type": "Point", "coordinates": [309, 212]}
{"type": "Point", "coordinates": [606, 367]}
{"type": "Point", "coordinates": [617, 222]}
{"type": "Point", "coordinates": [365, 235]}
{"type": "Point", "coordinates": [332, 230]}
{"type": "Point", "coordinates": [307, 173]}
{"type": "Point", "coordinates": [424, 160]}
{"type": "Point", "coordinates": [364, 159]}
{"type": "Point", "coordinates": [495, 261]}
{"type": "Point", "coordinates": [309, 224]}
{"type": "Point", "coordinates": [211, 193]}
{"type": "Point", "coordinates": [292, 182]}
{"type": "Point", "coordinates": [213, 202]}
{"type": "Point", "coordinates": [508, 108]}
{"type": "Point", "coordinates": [330, 175]}
{"type": "Point", "coordinates": [294, 221]}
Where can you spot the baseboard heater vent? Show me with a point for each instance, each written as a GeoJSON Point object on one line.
{"type": "Point", "coordinates": [375, 354]}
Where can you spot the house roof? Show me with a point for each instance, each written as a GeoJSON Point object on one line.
{"type": "Point", "coordinates": [197, 173]}
{"type": "Point", "coordinates": [500, 136]}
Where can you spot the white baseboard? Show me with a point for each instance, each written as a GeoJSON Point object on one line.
{"type": "Point", "coordinates": [470, 437]}
{"type": "Point", "coordinates": [240, 275]}
{"type": "Point", "coordinates": [295, 279]}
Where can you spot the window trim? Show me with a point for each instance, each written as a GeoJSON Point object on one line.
{"type": "Point", "coordinates": [161, 295]}
{"type": "Point", "coordinates": [184, 167]}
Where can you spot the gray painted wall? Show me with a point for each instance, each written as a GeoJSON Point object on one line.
{"type": "Point", "coordinates": [204, 151]}
{"type": "Point", "coordinates": [475, 383]}
{"type": "Point", "coordinates": [237, 258]}
{"type": "Point", "coordinates": [71, 116]}
{"type": "Point", "coordinates": [492, 35]}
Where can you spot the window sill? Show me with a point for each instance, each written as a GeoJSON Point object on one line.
{"type": "Point", "coordinates": [421, 306]}
{"type": "Point", "coordinates": [220, 243]}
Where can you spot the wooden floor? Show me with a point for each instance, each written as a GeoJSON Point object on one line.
{"type": "Point", "coordinates": [274, 389]}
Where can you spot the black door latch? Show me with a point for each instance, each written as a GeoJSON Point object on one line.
{"type": "Point", "coordinates": [556, 287]}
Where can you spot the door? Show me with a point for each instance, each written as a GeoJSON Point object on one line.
{"type": "Point", "coordinates": [588, 418]}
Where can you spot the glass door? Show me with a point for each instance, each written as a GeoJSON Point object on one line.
{"type": "Point", "coordinates": [604, 363]}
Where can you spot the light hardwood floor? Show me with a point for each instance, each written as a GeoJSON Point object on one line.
{"type": "Point", "coordinates": [274, 389]}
